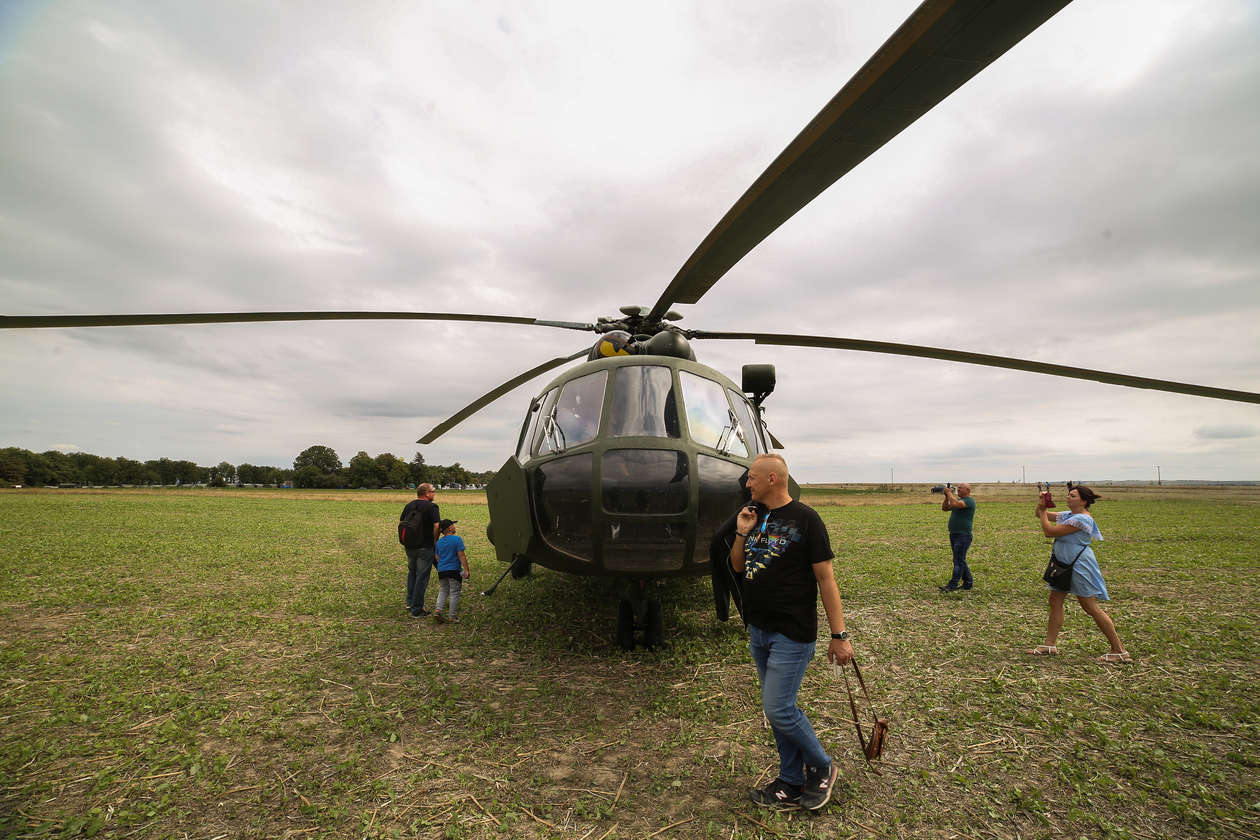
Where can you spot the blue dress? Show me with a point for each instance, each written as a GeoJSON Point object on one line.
{"type": "Point", "coordinates": [1087, 579]}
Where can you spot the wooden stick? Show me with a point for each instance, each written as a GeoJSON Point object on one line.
{"type": "Point", "coordinates": [484, 811]}
{"type": "Point", "coordinates": [668, 827]}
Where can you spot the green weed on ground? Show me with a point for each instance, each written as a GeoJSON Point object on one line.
{"type": "Point", "coordinates": [240, 665]}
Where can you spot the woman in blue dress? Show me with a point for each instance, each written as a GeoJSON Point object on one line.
{"type": "Point", "coordinates": [1073, 532]}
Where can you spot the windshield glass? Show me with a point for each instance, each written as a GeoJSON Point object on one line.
{"type": "Point", "coordinates": [709, 417]}
{"type": "Point", "coordinates": [644, 403]}
{"type": "Point", "coordinates": [576, 413]}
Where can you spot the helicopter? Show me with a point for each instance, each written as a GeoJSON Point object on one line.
{"type": "Point", "coordinates": [601, 485]}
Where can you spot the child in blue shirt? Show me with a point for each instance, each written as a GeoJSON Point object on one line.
{"type": "Point", "coordinates": [452, 567]}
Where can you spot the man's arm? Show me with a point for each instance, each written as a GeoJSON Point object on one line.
{"type": "Point", "coordinates": [839, 651]}
{"type": "Point", "coordinates": [737, 553]}
{"type": "Point", "coordinates": [952, 502]}
{"type": "Point", "coordinates": [744, 523]}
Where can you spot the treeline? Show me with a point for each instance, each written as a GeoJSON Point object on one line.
{"type": "Point", "coordinates": [316, 466]}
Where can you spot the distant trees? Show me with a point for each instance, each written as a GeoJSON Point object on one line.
{"type": "Point", "coordinates": [250, 474]}
{"type": "Point", "coordinates": [385, 470]}
{"type": "Point", "coordinates": [392, 471]}
{"type": "Point", "coordinates": [222, 475]}
{"type": "Point", "coordinates": [362, 471]}
{"type": "Point", "coordinates": [315, 466]}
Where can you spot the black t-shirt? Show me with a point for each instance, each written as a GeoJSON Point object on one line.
{"type": "Point", "coordinates": [429, 517]}
{"type": "Point", "coordinates": [780, 590]}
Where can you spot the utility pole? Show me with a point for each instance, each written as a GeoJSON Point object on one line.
{"type": "Point", "coordinates": [1023, 475]}
{"type": "Point", "coordinates": [1158, 478]}
{"type": "Point", "coordinates": [890, 475]}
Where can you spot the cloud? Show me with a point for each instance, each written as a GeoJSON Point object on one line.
{"type": "Point", "coordinates": [1088, 200]}
{"type": "Point", "coordinates": [1225, 432]}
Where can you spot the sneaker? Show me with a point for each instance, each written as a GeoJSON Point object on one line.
{"type": "Point", "coordinates": [437, 616]}
{"type": "Point", "coordinates": [777, 794]}
{"type": "Point", "coordinates": [817, 789]}
{"type": "Point", "coordinates": [948, 588]}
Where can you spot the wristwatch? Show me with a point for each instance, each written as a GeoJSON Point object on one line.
{"type": "Point", "coordinates": [843, 635]}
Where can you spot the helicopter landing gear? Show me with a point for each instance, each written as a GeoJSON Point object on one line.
{"type": "Point", "coordinates": [518, 568]}
{"type": "Point", "coordinates": [625, 625]}
{"type": "Point", "coordinates": [639, 610]}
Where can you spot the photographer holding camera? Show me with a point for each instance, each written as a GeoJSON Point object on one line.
{"type": "Point", "coordinates": [962, 511]}
{"type": "Point", "coordinates": [1073, 531]}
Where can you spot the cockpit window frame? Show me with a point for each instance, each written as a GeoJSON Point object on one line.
{"type": "Point", "coordinates": [553, 433]}
{"type": "Point", "coordinates": [726, 437]}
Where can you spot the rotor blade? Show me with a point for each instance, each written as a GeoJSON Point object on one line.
{"type": "Point", "coordinates": [990, 361]}
{"type": "Point", "coordinates": [937, 50]}
{"type": "Point", "coordinates": [483, 401]}
{"type": "Point", "coordinates": [9, 322]}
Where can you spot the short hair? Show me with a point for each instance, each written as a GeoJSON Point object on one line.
{"type": "Point", "coordinates": [421, 489]}
{"type": "Point", "coordinates": [780, 467]}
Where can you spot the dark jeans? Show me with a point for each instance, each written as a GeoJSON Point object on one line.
{"type": "Point", "coordinates": [419, 564]}
{"type": "Point", "coordinates": [959, 543]}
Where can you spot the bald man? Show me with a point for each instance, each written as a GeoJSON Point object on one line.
{"type": "Point", "coordinates": [962, 510]}
{"type": "Point", "coordinates": [784, 554]}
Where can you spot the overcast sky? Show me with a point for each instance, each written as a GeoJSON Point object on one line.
{"type": "Point", "coordinates": [1091, 199]}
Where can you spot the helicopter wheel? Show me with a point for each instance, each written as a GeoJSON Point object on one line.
{"type": "Point", "coordinates": [655, 635]}
{"type": "Point", "coordinates": [521, 566]}
{"type": "Point", "coordinates": [721, 594]}
{"type": "Point", "coordinates": [625, 625]}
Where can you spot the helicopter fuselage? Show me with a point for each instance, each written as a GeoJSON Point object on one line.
{"type": "Point", "coordinates": [626, 467]}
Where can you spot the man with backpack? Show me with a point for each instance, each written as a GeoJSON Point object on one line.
{"type": "Point", "coordinates": [417, 531]}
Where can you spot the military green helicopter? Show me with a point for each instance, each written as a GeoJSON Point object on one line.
{"type": "Point", "coordinates": [629, 464]}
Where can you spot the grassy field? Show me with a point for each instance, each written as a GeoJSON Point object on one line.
{"type": "Point", "coordinates": [223, 664]}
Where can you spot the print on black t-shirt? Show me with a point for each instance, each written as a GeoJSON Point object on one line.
{"type": "Point", "coordinates": [780, 590]}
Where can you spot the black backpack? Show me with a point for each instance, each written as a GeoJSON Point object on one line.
{"type": "Point", "coordinates": [409, 527]}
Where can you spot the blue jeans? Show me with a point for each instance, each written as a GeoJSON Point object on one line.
{"type": "Point", "coordinates": [419, 564]}
{"type": "Point", "coordinates": [781, 664]}
{"type": "Point", "coordinates": [959, 543]}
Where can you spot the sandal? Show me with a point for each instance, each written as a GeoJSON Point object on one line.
{"type": "Point", "coordinates": [1043, 650]}
{"type": "Point", "coordinates": [1114, 658]}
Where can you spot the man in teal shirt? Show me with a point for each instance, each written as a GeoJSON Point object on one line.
{"type": "Point", "coordinates": [962, 510]}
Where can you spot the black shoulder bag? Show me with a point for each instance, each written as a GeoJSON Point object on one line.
{"type": "Point", "coordinates": [1059, 575]}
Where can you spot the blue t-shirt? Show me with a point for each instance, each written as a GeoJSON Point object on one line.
{"type": "Point", "coordinates": [448, 549]}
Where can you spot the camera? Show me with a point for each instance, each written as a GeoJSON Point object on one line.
{"type": "Point", "coordinates": [1043, 487]}
{"type": "Point", "coordinates": [940, 488]}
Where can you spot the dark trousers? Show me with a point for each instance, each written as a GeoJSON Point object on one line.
{"type": "Point", "coordinates": [959, 543]}
{"type": "Point", "coordinates": [419, 564]}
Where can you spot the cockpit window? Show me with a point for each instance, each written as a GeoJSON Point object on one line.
{"type": "Point", "coordinates": [644, 403]}
{"type": "Point", "coordinates": [540, 423]}
{"type": "Point", "coordinates": [574, 419]}
{"type": "Point", "coordinates": [747, 421]}
{"type": "Point", "coordinates": [528, 430]}
{"type": "Point", "coordinates": [710, 420]}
